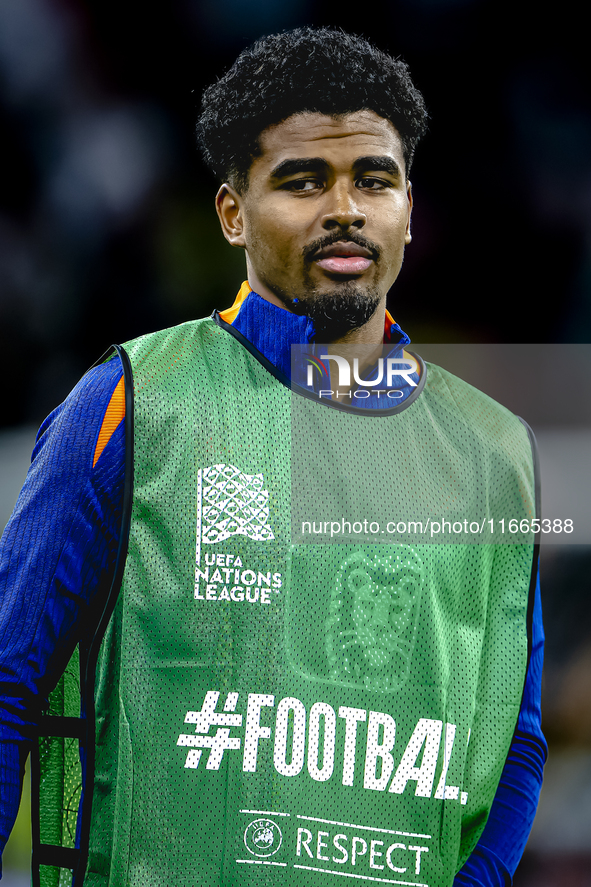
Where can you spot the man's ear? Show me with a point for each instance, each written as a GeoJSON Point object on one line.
{"type": "Point", "coordinates": [229, 207]}
{"type": "Point", "coordinates": [408, 235]}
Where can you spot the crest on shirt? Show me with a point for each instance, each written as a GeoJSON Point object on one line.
{"type": "Point", "coordinates": [370, 631]}
{"type": "Point", "coordinates": [231, 503]}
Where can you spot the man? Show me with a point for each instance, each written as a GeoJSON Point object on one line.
{"type": "Point", "coordinates": [256, 708]}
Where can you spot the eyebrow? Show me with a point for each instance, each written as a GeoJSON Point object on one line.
{"type": "Point", "coordinates": [378, 162]}
{"type": "Point", "coordinates": [299, 164]}
{"type": "Point", "coordinates": [375, 162]}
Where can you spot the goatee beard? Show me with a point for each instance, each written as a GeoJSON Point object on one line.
{"type": "Point", "coordinates": [338, 313]}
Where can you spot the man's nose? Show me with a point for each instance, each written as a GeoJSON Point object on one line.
{"type": "Point", "coordinates": [342, 209]}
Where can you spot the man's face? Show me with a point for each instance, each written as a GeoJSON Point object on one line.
{"type": "Point", "coordinates": [326, 213]}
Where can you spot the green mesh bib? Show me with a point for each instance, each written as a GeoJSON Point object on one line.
{"type": "Point", "coordinates": [272, 711]}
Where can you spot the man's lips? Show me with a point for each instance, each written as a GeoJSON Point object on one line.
{"type": "Point", "coordinates": [344, 264]}
{"type": "Point", "coordinates": [343, 258]}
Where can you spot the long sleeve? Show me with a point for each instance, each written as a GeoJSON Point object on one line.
{"type": "Point", "coordinates": [58, 543]}
{"type": "Point", "coordinates": [501, 845]}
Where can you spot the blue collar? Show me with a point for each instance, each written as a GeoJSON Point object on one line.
{"type": "Point", "coordinates": [273, 330]}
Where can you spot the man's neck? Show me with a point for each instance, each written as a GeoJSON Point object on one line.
{"type": "Point", "coordinates": [371, 333]}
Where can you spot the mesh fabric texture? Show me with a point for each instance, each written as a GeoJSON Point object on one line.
{"type": "Point", "coordinates": [267, 711]}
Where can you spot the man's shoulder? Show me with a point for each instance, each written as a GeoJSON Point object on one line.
{"type": "Point", "coordinates": [89, 397]}
{"type": "Point", "coordinates": [445, 384]}
{"type": "Point", "coordinates": [479, 411]}
{"type": "Point", "coordinates": [195, 353]}
{"type": "Point", "coordinates": [183, 342]}
{"type": "Point", "coordinates": [170, 336]}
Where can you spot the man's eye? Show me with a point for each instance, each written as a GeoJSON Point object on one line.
{"type": "Point", "coordinates": [372, 183]}
{"type": "Point", "coordinates": [302, 185]}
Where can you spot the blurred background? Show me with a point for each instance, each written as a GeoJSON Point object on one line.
{"type": "Point", "coordinates": [108, 230]}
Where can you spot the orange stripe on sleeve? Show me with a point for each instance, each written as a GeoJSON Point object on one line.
{"type": "Point", "coordinates": [115, 412]}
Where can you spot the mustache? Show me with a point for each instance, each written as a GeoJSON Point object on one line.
{"type": "Point", "coordinates": [311, 249]}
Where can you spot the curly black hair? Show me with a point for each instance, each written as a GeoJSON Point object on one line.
{"type": "Point", "coordinates": [305, 69]}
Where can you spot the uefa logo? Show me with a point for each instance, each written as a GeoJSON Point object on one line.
{"type": "Point", "coordinates": [262, 837]}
